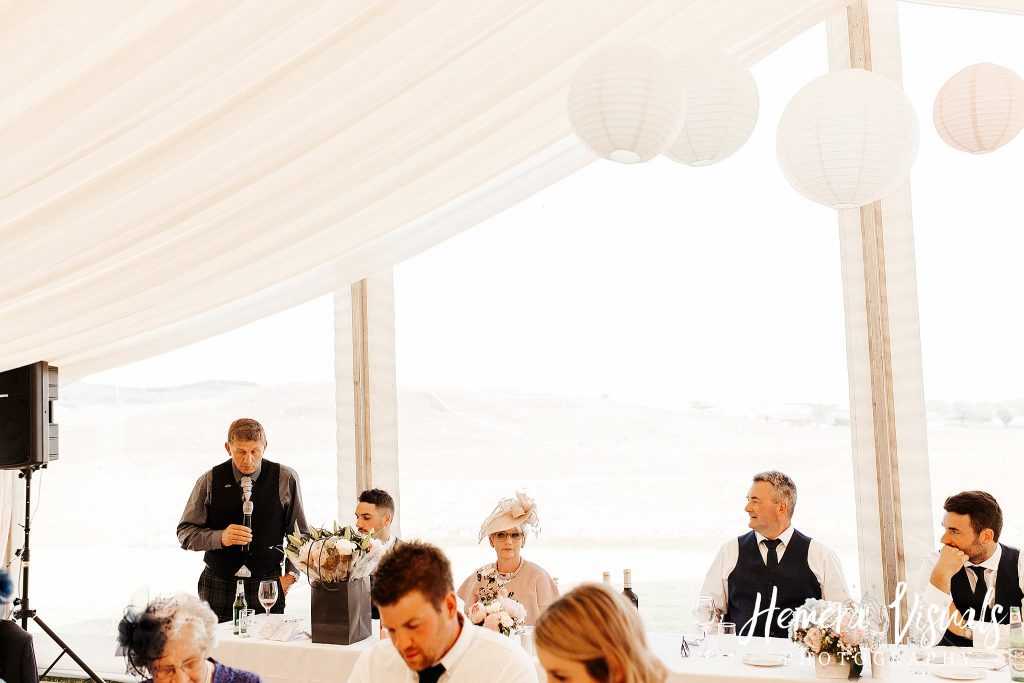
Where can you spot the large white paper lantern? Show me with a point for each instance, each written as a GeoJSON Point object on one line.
{"type": "Point", "coordinates": [847, 139]}
{"type": "Point", "coordinates": [721, 108]}
{"type": "Point", "coordinates": [980, 109]}
{"type": "Point", "coordinates": [626, 103]}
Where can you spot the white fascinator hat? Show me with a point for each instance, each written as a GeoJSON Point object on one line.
{"type": "Point", "coordinates": [517, 512]}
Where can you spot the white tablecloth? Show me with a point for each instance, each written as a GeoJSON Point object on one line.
{"type": "Point", "coordinates": [291, 662]}
{"type": "Point", "coordinates": [302, 661]}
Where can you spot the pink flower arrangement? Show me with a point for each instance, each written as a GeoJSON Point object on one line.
{"type": "Point", "coordinates": [829, 631]}
{"type": "Point", "coordinates": [502, 615]}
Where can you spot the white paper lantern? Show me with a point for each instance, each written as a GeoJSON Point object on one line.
{"type": "Point", "coordinates": [626, 103]}
{"type": "Point", "coordinates": [980, 109]}
{"type": "Point", "coordinates": [721, 108]}
{"type": "Point", "coordinates": [847, 139]}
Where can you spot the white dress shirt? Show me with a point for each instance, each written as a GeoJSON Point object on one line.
{"type": "Point", "coordinates": [823, 562]}
{"type": "Point", "coordinates": [936, 603]}
{"type": "Point", "coordinates": [477, 655]}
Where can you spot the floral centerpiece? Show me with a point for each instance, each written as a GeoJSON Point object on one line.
{"type": "Point", "coordinates": [495, 609]}
{"type": "Point", "coordinates": [833, 634]}
{"type": "Point", "coordinates": [338, 563]}
{"type": "Point", "coordinates": [334, 555]}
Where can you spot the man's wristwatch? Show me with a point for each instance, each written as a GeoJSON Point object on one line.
{"type": "Point", "coordinates": [969, 633]}
{"type": "Point", "coordinates": [294, 574]}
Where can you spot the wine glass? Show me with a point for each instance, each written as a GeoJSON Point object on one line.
{"type": "Point", "coordinates": [703, 615]}
{"type": "Point", "coordinates": [268, 594]}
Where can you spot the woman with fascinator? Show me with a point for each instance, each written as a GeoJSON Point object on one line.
{"type": "Point", "coordinates": [525, 582]}
{"type": "Point", "coordinates": [169, 641]}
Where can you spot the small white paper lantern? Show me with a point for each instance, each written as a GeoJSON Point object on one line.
{"type": "Point", "coordinates": [721, 108]}
{"type": "Point", "coordinates": [980, 109]}
{"type": "Point", "coordinates": [626, 103]}
{"type": "Point", "coordinates": [847, 139]}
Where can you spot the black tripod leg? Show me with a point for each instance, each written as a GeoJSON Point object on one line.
{"type": "Point", "coordinates": [71, 653]}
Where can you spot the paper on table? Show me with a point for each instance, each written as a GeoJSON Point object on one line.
{"type": "Point", "coordinates": [279, 628]}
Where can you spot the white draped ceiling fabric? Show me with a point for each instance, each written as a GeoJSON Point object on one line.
{"type": "Point", "coordinates": [172, 170]}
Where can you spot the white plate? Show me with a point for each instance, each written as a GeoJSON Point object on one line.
{"type": "Point", "coordinates": [959, 673]}
{"type": "Point", "coordinates": [764, 660]}
{"type": "Point", "coordinates": [984, 659]}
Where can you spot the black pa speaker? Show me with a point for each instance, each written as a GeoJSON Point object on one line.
{"type": "Point", "coordinates": [28, 436]}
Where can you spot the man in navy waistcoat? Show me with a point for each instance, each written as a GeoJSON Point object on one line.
{"type": "Point", "coordinates": [968, 586]}
{"type": "Point", "coordinates": [760, 578]}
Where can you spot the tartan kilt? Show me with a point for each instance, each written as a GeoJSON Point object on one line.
{"type": "Point", "coordinates": [219, 592]}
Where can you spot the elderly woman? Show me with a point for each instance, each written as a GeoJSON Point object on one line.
{"type": "Point", "coordinates": [170, 641]}
{"type": "Point", "coordinates": [593, 635]}
{"type": "Point", "coordinates": [525, 582]}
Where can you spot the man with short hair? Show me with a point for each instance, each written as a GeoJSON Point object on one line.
{"type": "Point", "coordinates": [972, 581]}
{"type": "Point", "coordinates": [212, 521]}
{"type": "Point", "coordinates": [431, 641]}
{"type": "Point", "coordinates": [374, 512]}
{"type": "Point", "coordinates": [758, 579]}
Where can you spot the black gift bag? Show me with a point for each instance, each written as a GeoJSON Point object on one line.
{"type": "Point", "coordinates": [340, 612]}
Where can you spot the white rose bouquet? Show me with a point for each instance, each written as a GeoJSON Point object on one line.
{"type": "Point", "coordinates": [334, 555]}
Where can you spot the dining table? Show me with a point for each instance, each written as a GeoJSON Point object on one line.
{"type": "Point", "coordinates": [757, 660]}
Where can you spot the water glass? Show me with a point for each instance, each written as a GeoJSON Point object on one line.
{"type": "Point", "coordinates": [727, 639]}
{"type": "Point", "coordinates": [526, 640]}
{"type": "Point", "coordinates": [919, 652]}
{"type": "Point", "coordinates": [246, 623]}
{"type": "Point", "coordinates": [712, 640]}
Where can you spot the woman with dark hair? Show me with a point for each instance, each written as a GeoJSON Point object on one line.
{"type": "Point", "coordinates": [170, 641]}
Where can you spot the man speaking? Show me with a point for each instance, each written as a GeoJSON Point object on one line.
{"type": "Point", "coordinates": [242, 488]}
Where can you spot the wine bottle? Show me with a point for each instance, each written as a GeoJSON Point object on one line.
{"type": "Point", "coordinates": [607, 577]}
{"type": "Point", "coordinates": [237, 606]}
{"type": "Point", "coordinates": [627, 588]}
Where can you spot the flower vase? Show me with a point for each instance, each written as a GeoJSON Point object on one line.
{"type": "Point", "coordinates": [826, 666]}
{"type": "Point", "coordinates": [340, 612]}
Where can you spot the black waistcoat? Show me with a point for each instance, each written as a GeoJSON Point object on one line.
{"type": "Point", "coordinates": [1008, 594]}
{"type": "Point", "coordinates": [793, 581]}
{"type": "Point", "coordinates": [268, 522]}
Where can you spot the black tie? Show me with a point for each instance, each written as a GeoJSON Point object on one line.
{"type": "Point", "coordinates": [979, 593]}
{"type": "Point", "coordinates": [433, 674]}
{"type": "Point", "coordinates": [773, 553]}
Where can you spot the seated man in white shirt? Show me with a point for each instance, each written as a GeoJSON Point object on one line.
{"type": "Point", "coordinates": [759, 578]}
{"type": "Point", "coordinates": [431, 641]}
{"type": "Point", "coordinates": [374, 512]}
{"type": "Point", "coordinates": [972, 581]}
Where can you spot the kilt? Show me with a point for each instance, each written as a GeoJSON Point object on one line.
{"type": "Point", "coordinates": [219, 591]}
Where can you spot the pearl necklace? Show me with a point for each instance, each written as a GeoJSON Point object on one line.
{"type": "Point", "coordinates": [503, 578]}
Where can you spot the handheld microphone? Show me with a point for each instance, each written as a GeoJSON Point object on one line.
{"type": "Point", "coordinates": [246, 506]}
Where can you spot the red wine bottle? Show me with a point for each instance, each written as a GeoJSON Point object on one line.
{"type": "Point", "coordinates": [627, 588]}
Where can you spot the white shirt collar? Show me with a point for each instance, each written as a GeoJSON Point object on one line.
{"type": "Point", "coordinates": [992, 562]}
{"type": "Point", "coordinates": [784, 536]}
{"type": "Point", "coordinates": [390, 543]}
{"type": "Point", "coordinates": [461, 646]}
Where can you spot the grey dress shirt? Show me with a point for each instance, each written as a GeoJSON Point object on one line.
{"type": "Point", "coordinates": [193, 534]}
